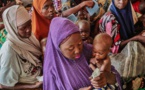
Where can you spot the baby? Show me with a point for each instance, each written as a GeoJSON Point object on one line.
{"type": "Point", "coordinates": [101, 48]}
{"type": "Point", "coordinates": [84, 28]}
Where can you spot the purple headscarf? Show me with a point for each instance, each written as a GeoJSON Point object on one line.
{"type": "Point", "coordinates": [61, 73]}
{"type": "Point", "coordinates": [125, 19]}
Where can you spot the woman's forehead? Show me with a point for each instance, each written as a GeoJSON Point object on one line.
{"type": "Point", "coordinates": [72, 39]}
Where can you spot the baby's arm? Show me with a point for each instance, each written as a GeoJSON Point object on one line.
{"type": "Point", "coordinates": [92, 64]}
{"type": "Point", "coordinates": [106, 66]}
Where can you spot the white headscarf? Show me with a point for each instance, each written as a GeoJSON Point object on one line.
{"type": "Point", "coordinates": [27, 48]}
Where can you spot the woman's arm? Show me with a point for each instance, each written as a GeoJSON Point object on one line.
{"type": "Point", "coordinates": [22, 86]}
{"type": "Point", "coordinates": [9, 4]}
{"type": "Point", "coordinates": [138, 37]}
{"type": "Point", "coordinates": [77, 8]}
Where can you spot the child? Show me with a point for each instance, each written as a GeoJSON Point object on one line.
{"type": "Point", "coordinates": [101, 48]}
{"type": "Point", "coordinates": [83, 15]}
{"type": "Point", "coordinates": [84, 27]}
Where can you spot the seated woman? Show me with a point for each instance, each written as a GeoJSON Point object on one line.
{"type": "Point", "coordinates": [66, 60]}
{"type": "Point", "coordinates": [19, 55]}
{"type": "Point", "coordinates": [44, 12]}
{"type": "Point", "coordinates": [118, 23]}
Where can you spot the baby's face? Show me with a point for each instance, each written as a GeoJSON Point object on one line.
{"type": "Point", "coordinates": [84, 31]}
{"type": "Point", "coordinates": [100, 52]}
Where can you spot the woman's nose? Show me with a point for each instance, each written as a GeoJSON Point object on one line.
{"type": "Point", "coordinates": [77, 50]}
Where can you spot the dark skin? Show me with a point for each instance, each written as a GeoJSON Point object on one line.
{"type": "Point", "coordinates": [72, 48]}
{"type": "Point", "coordinates": [84, 30]}
{"type": "Point", "coordinates": [9, 4]}
{"type": "Point", "coordinates": [120, 5]}
{"type": "Point", "coordinates": [48, 9]}
{"type": "Point", "coordinates": [24, 31]}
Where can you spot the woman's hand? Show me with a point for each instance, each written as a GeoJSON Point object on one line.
{"type": "Point", "coordinates": [140, 38]}
{"type": "Point", "coordinates": [37, 85]}
{"type": "Point", "coordinates": [86, 88]}
{"type": "Point", "coordinates": [99, 81]}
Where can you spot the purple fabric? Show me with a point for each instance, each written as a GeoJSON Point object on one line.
{"type": "Point", "coordinates": [61, 73]}
{"type": "Point", "coordinates": [125, 19]}
{"type": "Point", "coordinates": [118, 78]}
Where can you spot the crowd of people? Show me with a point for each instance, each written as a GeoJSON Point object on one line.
{"type": "Point", "coordinates": [72, 44]}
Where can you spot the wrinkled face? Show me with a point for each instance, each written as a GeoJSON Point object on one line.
{"type": "Point", "coordinates": [72, 47]}
{"type": "Point", "coordinates": [48, 9]}
{"type": "Point", "coordinates": [120, 4]}
{"type": "Point", "coordinates": [84, 31]}
{"type": "Point", "coordinates": [100, 52]}
{"type": "Point", "coordinates": [24, 30]}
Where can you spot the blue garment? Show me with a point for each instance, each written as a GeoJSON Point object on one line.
{"type": "Point", "coordinates": [125, 19]}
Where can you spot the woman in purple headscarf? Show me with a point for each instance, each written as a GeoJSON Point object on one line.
{"type": "Point", "coordinates": [119, 22]}
{"type": "Point", "coordinates": [66, 59]}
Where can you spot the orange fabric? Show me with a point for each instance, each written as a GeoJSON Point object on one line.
{"type": "Point", "coordinates": [40, 25]}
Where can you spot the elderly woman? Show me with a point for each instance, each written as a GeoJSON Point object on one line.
{"type": "Point", "coordinates": [19, 55]}
{"type": "Point", "coordinates": [66, 60]}
{"type": "Point", "coordinates": [119, 24]}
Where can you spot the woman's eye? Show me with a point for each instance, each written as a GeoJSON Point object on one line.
{"type": "Point", "coordinates": [71, 48]}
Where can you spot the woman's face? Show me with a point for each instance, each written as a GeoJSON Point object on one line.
{"type": "Point", "coordinates": [72, 47]}
{"type": "Point", "coordinates": [24, 30]}
{"type": "Point", "coordinates": [120, 4]}
{"type": "Point", "coordinates": [48, 10]}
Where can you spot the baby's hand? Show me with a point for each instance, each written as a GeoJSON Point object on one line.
{"type": "Point", "coordinates": [92, 64]}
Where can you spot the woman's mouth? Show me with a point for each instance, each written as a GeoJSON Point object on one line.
{"type": "Point", "coordinates": [77, 56]}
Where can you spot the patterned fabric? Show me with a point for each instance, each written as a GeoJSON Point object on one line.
{"type": "Point", "coordinates": [130, 61]}
{"type": "Point", "coordinates": [3, 34]}
{"type": "Point", "coordinates": [110, 25]}
{"type": "Point", "coordinates": [125, 18]}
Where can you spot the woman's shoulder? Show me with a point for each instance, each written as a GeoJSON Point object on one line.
{"type": "Point", "coordinates": [108, 16]}
{"type": "Point", "coordinates": [7, 49]}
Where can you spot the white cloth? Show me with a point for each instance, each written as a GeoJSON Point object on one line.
{"type": "Point", "coordinates": [18, 56]}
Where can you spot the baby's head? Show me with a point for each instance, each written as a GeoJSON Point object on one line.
{"type": "Point", "coordinates": [84, 28]}
{"type": "Point", "coordinates": [101, 46]}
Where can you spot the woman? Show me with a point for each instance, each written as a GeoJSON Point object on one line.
{"type": "Point", "coordinates": [43, 13]}
{"type": "Point", "coordinates": [66, 60]}
{"type": "Point", "coordinates": [119, 24]}
{"type": "Point", "coordinates": [19, 55]}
